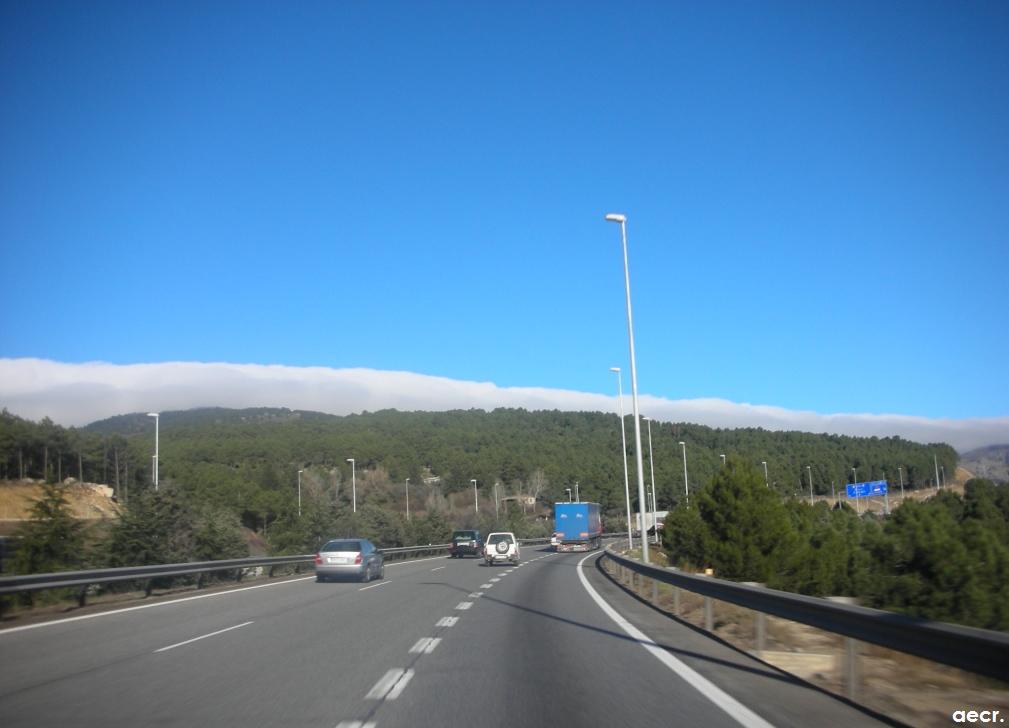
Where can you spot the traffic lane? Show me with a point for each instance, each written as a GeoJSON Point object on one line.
{"type": "Point", "coordinates": [778, 697]}
{"type": "Point", "coordinates": [323, 620]}
{"type": "Point", "coordinates": [66, 647]}
{"type": "Point", "coordinates": [534, 650]}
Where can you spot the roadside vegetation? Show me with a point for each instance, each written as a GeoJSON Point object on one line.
{"type": "Point", "coordinates": [945, 558]}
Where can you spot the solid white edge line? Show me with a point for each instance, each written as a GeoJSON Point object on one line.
{"type": "Point", "coordinates": [705, 687]}
{"type": "Point", "coordinates": [203, 637]}
{"type": "Point", "coordinates": [24, 627]}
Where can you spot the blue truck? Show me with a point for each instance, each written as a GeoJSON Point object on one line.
{"type": "Point", "coordinates": [577, 526]}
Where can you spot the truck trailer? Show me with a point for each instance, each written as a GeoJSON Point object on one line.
{"type": "Point", "coordinates": [577, 526]}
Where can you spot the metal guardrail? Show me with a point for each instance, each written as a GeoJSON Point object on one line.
{"type": "Point", "coordinates": [981, 651]}
{"type": "Point", "coordinates": [84, 579]}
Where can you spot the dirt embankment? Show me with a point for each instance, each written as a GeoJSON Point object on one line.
{"type": "Point", "coordinates": [88, 501]}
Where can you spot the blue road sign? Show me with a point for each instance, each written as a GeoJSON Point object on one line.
{"type": "Point", "coordinates": [864, 490]}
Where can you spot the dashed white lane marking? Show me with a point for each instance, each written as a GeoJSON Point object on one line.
{"type": "Point", "coordinates": [495, 579]}
{"type": "Point", "coordinates": [475, 595]}
{"type": "Point", "coordinates": [202, 637]}
{"type": "Point", "coordinates": [425, 645]}
{"type": "Point", "coordinates": [464, 605]}
{"type": "Point", "coordinates": [447, 622]}
{"type": "Point", "coordinates": [390, 685]}
{"type": "Point", "coordinates": [705, 687]}
{"type": "Point", "coordinates": [373, 586]}
{"type": "Point", "coordinates": [486, 586]}
{"type": "Point", "coordinates": [437, 568]}
{"type": "Point", "coordinates": [355, 724]}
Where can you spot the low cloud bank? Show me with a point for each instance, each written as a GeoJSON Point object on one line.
{"type": "Point", "coordinates": [76, 394]}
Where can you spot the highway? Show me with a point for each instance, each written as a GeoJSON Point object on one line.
{"type": "Point", "coordinates": [439, 642]}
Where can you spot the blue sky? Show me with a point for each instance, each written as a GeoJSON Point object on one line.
{"type": "Point", "coordinates": [816, 193]}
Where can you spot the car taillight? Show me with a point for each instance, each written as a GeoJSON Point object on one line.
{"type": "Point", "coordinates": [584, 534]}
{"type": "Point", "coordinates": [358, 559]}
{"type": "Point", "coordinates": [318, 558]}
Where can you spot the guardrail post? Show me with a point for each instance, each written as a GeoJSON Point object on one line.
{"type": "Point", "coordinates": [676, 601]}
{"type": "Point", "coordinates": [655, 591]}
{"type": "Point", "coordinates": [272, 567]}
{"type": "Point", "coordinates": [851, 676]}
{"type": "Point", "coordinates": [240, 572]}
{"type": "Point", "coordinates": [709, 617]}
{"type": "Point", "coordinates": [761, 636]}
{"type": "Point", "coordinates": [149, 587]}
{"type": "Point", "coordinates": [82, 596]}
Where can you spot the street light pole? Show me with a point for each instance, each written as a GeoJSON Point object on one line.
{"type": "Point", "coordinates": [900, 472]}
{"type": "Point", "coordinates": [299, 492]}
{"type": "Point", "coordinates": [569, 494]}
{"type": "Point", "coordinates": [623, 442]}
{"type": "Point", "coordinates": [935, 459]}
{"type": "Point", "coordinates": [353, 482]}
{"type": "Point", "coordinates": [809, 472]}
{"type": "Point", "coordinates": [764, 463]}
{"type": "Point", "coordinates": [642, 505]}
{"type": "Point", "coordinates": [408, 499]}
{"type": "Point", "coordinates": [723, 459]}
{"type": "Point", "coordinates": [651, 465]}
{"type": "Point", "coordinates": [496, 507]}
{"type": "Point", "coordinates": [157, 422]}
{"type": "Point", "coordinates": [577, 497]}
{"type": "Point", "coordinates": [476, 497]}
{"type": "Point", "coordinates": [686, 484]}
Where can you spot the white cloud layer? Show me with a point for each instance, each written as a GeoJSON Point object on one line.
{"type": "Point", "coordinates": [76, 394]}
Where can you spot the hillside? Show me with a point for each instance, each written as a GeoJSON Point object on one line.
{"type": "Point", "coordinates": [989, 462]}
{"type": "Point", "coordinates": [248, 460]}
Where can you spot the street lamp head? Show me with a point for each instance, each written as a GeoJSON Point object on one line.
{"type": "Point", "coordinates": [300, 472]}
{"type": "Point", "coordinates": [615, 369]}
{"type": "Point", "coordinates": [153, 414]}
{"type": "Point", "coordinates": [683, 443]}
{"type": "Point", "coordinates": [350, 460]}
{"type": "Point", "coordinates": [616, 217]}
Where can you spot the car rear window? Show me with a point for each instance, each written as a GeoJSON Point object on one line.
{"type": "Point", "coordinates": [342, 546]}
{"type": "Point", "coordinates": [500, 537]}
{"type": "Point", "coordinates": [464, 536]}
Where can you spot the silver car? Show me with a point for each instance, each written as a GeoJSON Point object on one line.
{"type": "Point", "coordinates": [356, 558]}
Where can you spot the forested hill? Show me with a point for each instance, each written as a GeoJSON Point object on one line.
{"type": "Point", "coordinates": [238, 454]}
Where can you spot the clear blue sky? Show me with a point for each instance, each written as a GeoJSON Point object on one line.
{"type": "Point", "coordinates": [817, 194]}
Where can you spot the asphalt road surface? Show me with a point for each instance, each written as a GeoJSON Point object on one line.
{"type": "Point", "coordinates": [439, 642]}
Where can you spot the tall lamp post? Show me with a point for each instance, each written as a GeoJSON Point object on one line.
{"type": "Point", "coordinates": [935, 460]}
{"type": "Point", "coordinates": [900, 472]}
{"type": "Point", "coordinates": [686, 484]}
{"type": "Point", "coordinates": [476, 497]}
{"type": "Point", "coordinates": [577, 497]}
{"type": "Point", "coordinates": [157, 421]}
{"type": "Point", "coordinates": [642, 505]}
{"type": "Point", "coordinates": [299, 492]}
{"type": "Point", "coordinates": [651, 465]}
{"type": "Point", "coordinates": [569, 494]}
{"type": "Point", "coordinates": [723, 459]}
{"type": "Point", "coordinates": [764, 463]}
{"type": "Point", "coordinates": [408, 499]}
{"type": "Point", "coordinates": [353, 482]}
{"type": "Point", "coordinates": [623, 442]}
{"type": "Point", "coordinates": [809, 472]}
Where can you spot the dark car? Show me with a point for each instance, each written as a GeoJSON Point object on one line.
{"type": "Point", "coordinates": [466, 543]}
{"type": "Point", "coordinates": [356, 558]}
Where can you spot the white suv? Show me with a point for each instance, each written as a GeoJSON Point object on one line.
{"type": "Point", "coordinates": [501, 547]}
